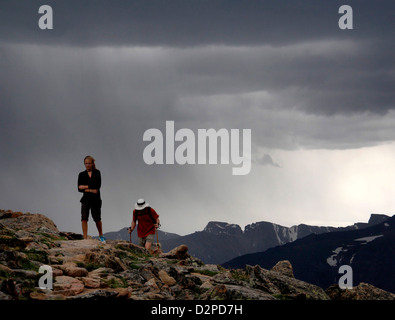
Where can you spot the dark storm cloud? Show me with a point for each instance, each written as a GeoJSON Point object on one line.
{"type": "Point", "coordinates": [356, 78]}
{"type": "Point", "coordinates": [110, 96]}
{"type": "Point", "coordinates": [189, 23]}
{"type": "Point", "coordinates": [112, 69]}
{"type": "Point", "coordinates": [322, 77]}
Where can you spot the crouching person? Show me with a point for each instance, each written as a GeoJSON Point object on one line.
{"type": "Point", "coordinates": [147, 221]}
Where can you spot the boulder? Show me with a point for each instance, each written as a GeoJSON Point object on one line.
{"type": "Point", "coordinates": [180, 253]}
{"type": "Point", "coordinates": [68, 286]}
{"type": "Point", "coordinates": [30, 222]}
{"type": "Point", "coordinates": [104, 259]}
{"type": "Point", "coordinates": [9, 214]}
{"type": "Point", "coordinates": [91, 282]}
{"type": "Point", "coordinates": [284, 287]}
{"type": "Point", "coordinates": [285, 268]}
{"type": "Point", "coordinates": [70, 269]}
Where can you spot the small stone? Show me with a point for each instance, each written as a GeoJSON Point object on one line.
{"type": "Point", "coordinates": [152, 284]}
{"type": "Point", "coordinates": [220, 291]}
{"type": "Point", "coordinates": [206, 285]}
{"type": "Point", "coordinates": [166, 279]}
{"type": "Point", "coordinates": [123, 292]}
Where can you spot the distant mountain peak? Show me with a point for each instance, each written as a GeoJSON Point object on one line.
{"type": "Point", "coordinates": [376, 218]}
{"type": "Point", "coordinates": [217, 227]}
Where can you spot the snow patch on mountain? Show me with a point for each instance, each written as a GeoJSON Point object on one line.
{"type": "Point", "coordinates": [276, 230]}
{"type": "Point", "coordinates": [293, 233]}
{"type": "Point", "coordinates": [368, 239]}
{"type": "Point", "coordinates": [332, 260]}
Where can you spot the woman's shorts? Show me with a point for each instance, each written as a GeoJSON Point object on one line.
{"type": "Point", "coordinates": [95, 211]}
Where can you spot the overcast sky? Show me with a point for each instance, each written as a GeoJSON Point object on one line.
{"type": "Point", "coordinates": [319, 101]}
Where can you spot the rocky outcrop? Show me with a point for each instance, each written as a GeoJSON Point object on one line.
{"type": "Point", "coordinates": [284, 267]}
{"type": "Point", "coordinates": [363, 291]}
{"type": "Point", "coordinates": [89, 269]}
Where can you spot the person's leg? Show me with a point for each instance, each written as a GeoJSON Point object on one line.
{"type": "Point", "coordinates": [84, 220]}
{"type": "Point", "coordinates": [85, 228]}
{"type": "Point", "coordinates": [148, 245]}
{"type": "Point", "coordinates": [99, 228]}
{"type": "Point", "coordinates": [148, 242]}
{"type": "Point", "coordinates": [141, 242]}
{"type": "Point", "coordinates": [96, 215]}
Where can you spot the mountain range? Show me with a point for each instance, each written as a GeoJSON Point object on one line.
{"type": "Point", "coordinates": [220, 242]}
{"type": "Point", "coordinates": [316, 258]}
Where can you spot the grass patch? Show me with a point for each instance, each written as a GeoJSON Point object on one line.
{"type": "Point", "coordinates": [4, 274]}
{"type": "Point", "coordinates": [207, 272]}
{"type": "Point", "coordinates": [12, 242]}
{"type": "Point", "coordinates": [239, 275]}
{"type": "Point", "coordinates": [36, 255]}
{"type": "Point", "coordinates": [134, 251]}
{"type": "Point", "coordinates": [117, 283]}
{"type": "Point", "coordinates": [26, 264]}
{"type": "Point", "coordinates": [93, 266]}
{"type": "Point", "coordinates": [134, 266]}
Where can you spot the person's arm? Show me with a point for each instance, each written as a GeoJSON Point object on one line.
{"type": "Point", "coordinates": [96, 184]}
{"type": "Point", "coordinates": [157, 223]}
{"type": "Point", "coordinates": [132, 227]}
{"type": "Point", "coordinates": [155, 217]}
{"type": "Point", "coordinates": [81, 186]}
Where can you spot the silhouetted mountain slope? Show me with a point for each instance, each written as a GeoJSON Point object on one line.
{"type": "Point", "coordinates": [317, 258]}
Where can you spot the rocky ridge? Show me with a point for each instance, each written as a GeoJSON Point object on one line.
{"type": "Point", "coordinates": [89, 269]}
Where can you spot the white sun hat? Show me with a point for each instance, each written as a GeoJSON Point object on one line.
{"type": "Point", "coordinates": [141, 204]}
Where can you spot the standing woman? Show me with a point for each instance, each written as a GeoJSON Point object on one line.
{"type": "Point", "coordinates": [89, 183]}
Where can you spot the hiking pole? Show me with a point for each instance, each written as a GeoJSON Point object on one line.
{"type": "Point", "coordinates": [157, 238]}
{"type": "Point", "coordinates": [130, 235]}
